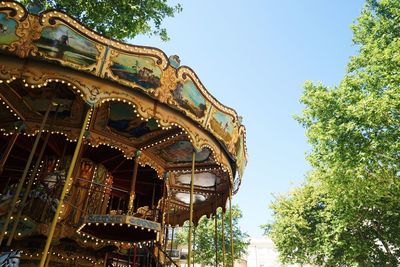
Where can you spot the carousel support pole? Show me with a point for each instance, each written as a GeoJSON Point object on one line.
{"type": "Point", "coordinates": [105, 260]}
{"type": "Point", "coordinates": [172, 237]}
{"type": "Point", "coordinates": [167, 225]}
{"type": "Point", "coordinates": [194, 243]}
{"type": "Point", "coordinates": [25, 173]}
{"type": "Point", "coordinates": [31, 180]}
{"type": "Point", "coordinates": [119, 204]}
{"type": "Point", "coordinates": [129, 256]}
{"type": "Point", "coordinates": [191, 210]}
{"type": "Point", "coordinates": [216, 237]}
{"type": "Point", "coordinates": [231, 226]}
{"type": "Point", "coordinates": [64, 191]}
{"type": "Point", "coordinates": [163, 208]}
{"type": "Point", "coordinates": [134, 255]}
{"type": "Point", "coordinates": [173, 233]}
{"type": "Point", "coordinates": [133, 183]}
{"type": "Point", "coordinates": [153, 196]}
{"type": "Point", "coordinates": [48, 257]}
{"type": "Point", "coordinates": [223, 238]}
{"type": "Point", "coordinates": [7, 151]}
{"type": "Point", "coordinates": [111, 203]}
{"type": "Point", "coordinates": [216, 227]}
{"type": "Point", "coordinates": [5, 189]}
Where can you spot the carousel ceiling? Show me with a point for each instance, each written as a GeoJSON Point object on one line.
{"type": "Point", "coordinates": [141, 102]}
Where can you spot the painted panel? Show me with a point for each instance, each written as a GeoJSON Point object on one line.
{"type": "Point", "coordinates": [39, 100]}
{"type": "Point", "coordinates": [181, 152]}
{"type": "Point", "coordinates": [124, 121]}
{"type": "Point", "coordinates": [7, 30]}
{"type": "Point", "coordinates": [62, 43]}
{"type": "Point", "coordinates": [140, 70]}
{"type": "Point", "coordinates": [189, 97]}
{"type": "Point", "coordinates": [222, 124]}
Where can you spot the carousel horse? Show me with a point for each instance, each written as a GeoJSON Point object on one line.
{"type": "Point", "coordinates": [46, 188]}
{"type": "Point", "coordinates": [10, 259]}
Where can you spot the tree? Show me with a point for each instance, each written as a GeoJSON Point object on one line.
{"type": "Point", "coordinates": [121, 20]}
{"type": "Point", "coordinates": [204, 246]}
{"type": "Point", "coordinates": [347, 213]}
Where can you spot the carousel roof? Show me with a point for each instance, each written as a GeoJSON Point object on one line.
{"type": "Point", "coordinates": [141, 101]}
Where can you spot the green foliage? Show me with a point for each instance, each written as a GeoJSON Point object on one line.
{"type": "Point", "coordinates": [347, 213]}
{"type": "Point", "coordinates": [204, 247]}
{"type": "Point", "coordinates": [121, 19]}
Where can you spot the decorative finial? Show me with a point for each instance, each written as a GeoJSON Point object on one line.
{"type": "Point", "coordinates": [175, 61]}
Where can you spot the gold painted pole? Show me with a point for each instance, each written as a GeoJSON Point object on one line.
{"type": "Point", "coordinates": [167, 225]}
{"type": "Point", "coordinates": [31, 180]}
{"type": "Point", "coordinates": [49, 257]}
{"type": "Point", "coordinates": [105, 260]}
{"type": "Point", "coordinates": [163, 223]}
{"type": "Point", "coordinates": [216, 227]}
{"type": "Point", "coordinates": [231, 227]}
{"type": "Point", "coordinates": [7, 151]}
{"type": "Point", "coordinates": [24, 174]}
{"type": "Point", "coordinates": [223, 238]}
{"type": "Point", "coordinates": [173, 231]}
{"type": "Point", "coordinates": [133, 184]}
{"type": "Point", "coordinates": [64, 191]}
{"type": "Point", "coordinates": [194, 243]}
{"type": "Point", "coordinates": [191, 210]}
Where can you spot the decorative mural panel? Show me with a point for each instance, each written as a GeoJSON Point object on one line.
{"type": "Point", "coordinates": [189, 98]}
{"type": "Point", "coordinates": [7, 30]}
{"type": "Point", "coordinates": [182, 152]}
{"type": "Point", "coordinates": [124, 121]}
{"type": "Point", "coordinates": [139, 70]}
{"type": "Point", "coordinates": [39, 100]}
{"type": "Point", "coordinates": [222, 124]}
{"type": "Point", "coordinates": [64, 44]}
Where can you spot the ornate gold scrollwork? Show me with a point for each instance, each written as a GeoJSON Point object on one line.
{"type": "Point", "coordinates": [27, 31]}
{"type": "Point", "coordinates": [145, 159]}
{"type": "Point", "coordinates": [168, 84]}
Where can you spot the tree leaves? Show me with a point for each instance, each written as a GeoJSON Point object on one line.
{"type": "Point", "coordinates": [347, 212]}
{"type": "Point", "coordinates": [121, 20]}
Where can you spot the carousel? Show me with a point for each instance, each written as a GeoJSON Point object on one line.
{"type": "Point", "coordinates": [104, 146]}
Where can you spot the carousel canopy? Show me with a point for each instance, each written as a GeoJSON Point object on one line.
{"type": "Point", "coordinates": [142, 104]}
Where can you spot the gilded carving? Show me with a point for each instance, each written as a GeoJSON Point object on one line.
{"type": "Point", "coordinates": [146, 159]}
{"type": "Point", "coordinates": [7, 73]}
{"type": "Point", "coordinates": [97, 140]}
{"type": "Point", "coordinates": [28, 31]}
{"type": "Point", "coordinates": [168, 84]}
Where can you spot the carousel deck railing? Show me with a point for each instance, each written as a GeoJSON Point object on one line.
{"type": "Point", "coordinates": [47, 200]}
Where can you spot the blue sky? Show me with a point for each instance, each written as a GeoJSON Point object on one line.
{"type": "Point", "coordinates": [254, 56]}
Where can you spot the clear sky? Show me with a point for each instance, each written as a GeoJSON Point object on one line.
{"type": "Point", "coordinates": [254, 56]}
